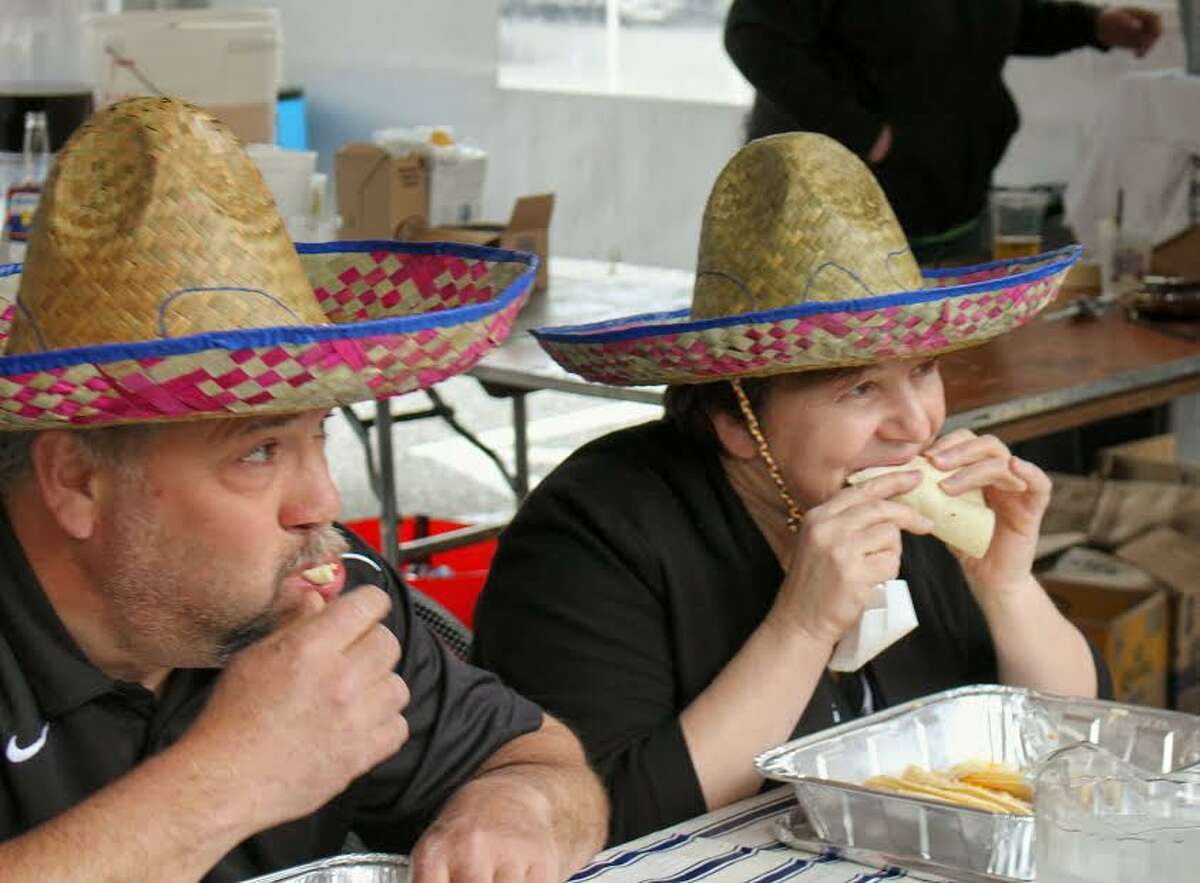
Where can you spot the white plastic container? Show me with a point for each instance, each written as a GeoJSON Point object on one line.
{"type": "Point", "coordinates": [288, 175]}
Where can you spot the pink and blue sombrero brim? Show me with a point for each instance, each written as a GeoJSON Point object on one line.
{"type": "Point", "coordinates": [402, 316]}
{"type": "Point", "coordinates": [958, 308]}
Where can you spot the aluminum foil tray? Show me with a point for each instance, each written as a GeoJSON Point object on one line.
{"type": "Point", "coordinates": [350, 868]}
{"type": "Point", "coordinates": [991, 723]}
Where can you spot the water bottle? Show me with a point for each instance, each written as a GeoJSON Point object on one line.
{"type": "Point", "coordinates": [23, 197]}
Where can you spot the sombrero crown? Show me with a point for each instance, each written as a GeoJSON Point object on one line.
{"type": "Point", "coordinates": [160, 284]}
{"type": "Point", "coordinates": [803, 266]}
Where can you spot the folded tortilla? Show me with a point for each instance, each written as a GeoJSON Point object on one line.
{"type": "Point", "coordinates": [964, 522]}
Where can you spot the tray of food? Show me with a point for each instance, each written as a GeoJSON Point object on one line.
{"type": "Point", "coordinates": [945, 781]}
{"type": "Point", "coordinates": [349, 868]}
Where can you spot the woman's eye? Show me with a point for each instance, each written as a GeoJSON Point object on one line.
{"type": "Point", "coordinates": [261, 455]}
{"type": "Point", "coordinates": [860, 389]}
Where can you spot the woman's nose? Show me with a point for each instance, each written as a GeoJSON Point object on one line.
{"type": "Point", "coordinates": [911, 421]}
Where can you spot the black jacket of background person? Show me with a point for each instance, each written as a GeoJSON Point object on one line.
{"type": "Point", "coordinates": [929, 68]}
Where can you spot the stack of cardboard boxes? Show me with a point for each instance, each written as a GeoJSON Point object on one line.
{"type": "Point", "coordinates": [383, 196]}
{"type": "Point", "coordinates": [1130, 575]}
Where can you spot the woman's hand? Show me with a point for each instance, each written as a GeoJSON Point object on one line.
{"type": "Point", "coordinates": [847, 545]}
{"type": "Point", "coordinates": [1016, 490]}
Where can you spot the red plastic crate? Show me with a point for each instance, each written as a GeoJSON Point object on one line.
{"type": "Point", "coordinates": [461, 572]}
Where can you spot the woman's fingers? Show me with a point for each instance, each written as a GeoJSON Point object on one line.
{"type": "Point", "coordinates": [967, 451]}
{"type": "Point", "coordinates": [886, 512]}
{"type": "Point", "coordinates": [949, 440]}
{"type": "Point", "coordinates": [1035, 479]}
{"type": "Point", "coordinates": [993, 473]}
{"type": "Point", "coordinates": [881, 487]}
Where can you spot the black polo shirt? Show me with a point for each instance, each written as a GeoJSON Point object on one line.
{"type": "Point", "coordinates": [68, 730]}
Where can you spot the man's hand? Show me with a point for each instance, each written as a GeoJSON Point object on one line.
{"type": "Point", "coordinates": [534, 814]}
{"type": "Point", "coordinates": [1128, 27]}
{"type": "Point", "coordinates": [301, 714]}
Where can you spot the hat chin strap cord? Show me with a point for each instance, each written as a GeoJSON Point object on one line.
{"type": "Point", "coordinates": [794, 516]}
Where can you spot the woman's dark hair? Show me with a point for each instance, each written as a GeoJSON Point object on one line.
{"type": "Point", "coordinates": [690, 408]}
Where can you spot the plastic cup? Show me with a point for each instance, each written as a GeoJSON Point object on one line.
{"type": "Point", "coordinates": [1017, 217]}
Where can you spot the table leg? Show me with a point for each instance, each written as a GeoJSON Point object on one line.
{"type": "Point", "coordinates": [1185, 423]}
{"type": "Point", "coordinates": [520, 445]}
{"type": "Point", "coordinates": [388, 516]}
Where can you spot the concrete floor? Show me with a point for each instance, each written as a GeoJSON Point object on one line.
{"type": "Point", "coordinates": [442, 475]}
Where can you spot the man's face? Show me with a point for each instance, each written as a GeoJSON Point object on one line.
{"type": "Point", "coordinates": [203, 536]}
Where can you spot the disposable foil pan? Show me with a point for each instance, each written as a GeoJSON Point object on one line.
{"type": "Point", "coordinates": [349, 868]}
{"type": "Point", "coordinates": [1007, 725]}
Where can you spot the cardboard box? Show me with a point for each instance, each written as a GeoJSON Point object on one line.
{"type": "Point", "coordinates": [1178, 256]}
{"type": "Point", "coordinates": [1148, 459]}
{"type": "Point", "coordinates": [227, 61]}
{"type": "Point", "coordinates": [1095, 568]}
{"type": "Point", "coordinates": [253, 123]}
{"type": "Point", "coordinates": [383, 196]}
{"type": "Point", "coordinates": [528, 229]}
{"type": "Point", "coordinates": [1127, 509]}
{"type": "Point", "coordinates": [1072, 503]}
{"type": "Point", "coordinates": [1174, 560]}
{"type": "Point", "coordinates": [379, 196]}
{"type": "Point", "coordinates": [1128, 627]}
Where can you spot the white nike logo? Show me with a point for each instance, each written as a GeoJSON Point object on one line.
{"type": "Point", "coordinates": [16, 754]}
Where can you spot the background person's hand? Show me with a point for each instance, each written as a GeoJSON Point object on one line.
{"type": "Point", "coordinates": [1016, 490]}
{"type": "Point", "coordinates": [845, 547]}
{"type": "Point", "coordinates": [1128, 27]}
{"type": "Point", "coordinates": [882, 146]}
{"type": "Point", "coordinates": [302, 713]}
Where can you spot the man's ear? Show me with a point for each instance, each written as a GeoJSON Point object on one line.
{"type": "Point", "coordinates": [65, 472]}
{"type": "Point", "coordinates": [734, 437]}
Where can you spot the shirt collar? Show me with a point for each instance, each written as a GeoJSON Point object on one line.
{"type": "Point", "coordinates": [57, 670]}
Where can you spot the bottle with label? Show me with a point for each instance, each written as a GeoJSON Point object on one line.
{"type": "Point", "coordinates": [23, 197]}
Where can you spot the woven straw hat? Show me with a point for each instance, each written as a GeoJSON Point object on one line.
{"type": "Point", "coordinates": [160, 284]}
{"type": "Point", "coordinates": [803, 266]}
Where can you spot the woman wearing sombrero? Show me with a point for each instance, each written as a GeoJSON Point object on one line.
{"type": "Point", "coordinates": [675, 591]}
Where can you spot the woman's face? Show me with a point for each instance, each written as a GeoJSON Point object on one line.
{"type": "Point", "coordinates": [878, 416]}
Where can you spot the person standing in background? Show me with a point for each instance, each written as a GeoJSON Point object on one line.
{"type": "Point", "coordinates": [914, 88]}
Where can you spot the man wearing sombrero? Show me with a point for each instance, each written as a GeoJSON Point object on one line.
{"type": "Point", "coordinates": [167, 512]}
{"type": "Point", "coordinates": [675, 591]}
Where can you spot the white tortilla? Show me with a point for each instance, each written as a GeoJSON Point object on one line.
{"type": "Point", "coordinates": [964, 522]}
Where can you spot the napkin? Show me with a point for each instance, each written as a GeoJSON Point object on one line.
{"type": "Point", "coordinates": [888, 617]}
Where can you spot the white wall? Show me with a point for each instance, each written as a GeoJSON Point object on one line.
{"type": "Point", "coordinates": [631, 174]}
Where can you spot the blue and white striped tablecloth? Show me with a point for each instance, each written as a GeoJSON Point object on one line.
{"type": "Point", "coordinates": [733, 844]}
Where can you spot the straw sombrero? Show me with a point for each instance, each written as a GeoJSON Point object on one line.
{"type": "Point", "coordinates": [160, 284]}
{"type": "Point", "coordinates": [803, 266]}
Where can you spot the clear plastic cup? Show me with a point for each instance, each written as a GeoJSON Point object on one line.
{"type": "Point", "coordinates": [1017, 217]}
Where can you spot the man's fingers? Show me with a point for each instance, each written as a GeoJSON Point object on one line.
{"type": "Point", "coordinates": [375, 653]}
{"type": "Point", "coordinates": [429, 865]}
{"type": "Point", "coordinates": [347, 618]}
